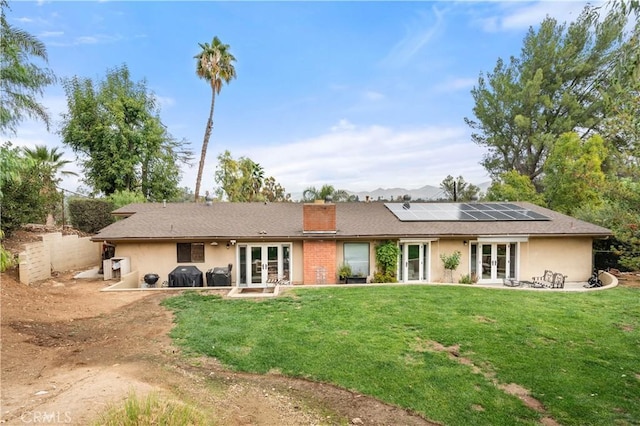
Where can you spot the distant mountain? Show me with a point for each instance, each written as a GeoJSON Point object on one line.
{"type": "Point", "coordinates": [425, 193]}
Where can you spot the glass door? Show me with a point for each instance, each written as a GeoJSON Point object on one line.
{"type": "Point", "coordinates": [414, 262]}
{"type": "Point", "coordinates": [496, 261]}
{"type": "Point", "coordinates": [263, 263]}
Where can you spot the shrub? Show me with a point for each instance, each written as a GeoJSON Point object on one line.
{"type": "Point", "coordinates": [387, 254]}
{"type": "Point", "coordinates": [90, 215]}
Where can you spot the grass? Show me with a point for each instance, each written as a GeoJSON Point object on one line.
{"type": "Point", "coordinates": [576, 353]}
{"type": "Point", "coordinates": [151, 410]}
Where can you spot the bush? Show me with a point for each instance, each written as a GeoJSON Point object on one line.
{"type": "Point", "coordinates": [90, 215]}
{"type": "Point", "coordinates": [387, 254]}
{"type": "Point", "coordinates": [466, 279]}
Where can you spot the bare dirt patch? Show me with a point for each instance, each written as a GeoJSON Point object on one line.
{"type": "Point", "coordinates": [69, 351]}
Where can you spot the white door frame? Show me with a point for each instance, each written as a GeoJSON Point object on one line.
{"type": "Point", "coordinates": [493, 263]}
{"type": "Point", "coordinates": [262, 268]}
{"type": "Point", "coordinates": [423, 264]}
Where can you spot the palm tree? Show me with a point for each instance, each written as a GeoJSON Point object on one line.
{"type": "Point", "coordinates": [48, 164]}
{"type": "Point", "coordinates": [20, 80]}
{"type": "Point", "coordinates": [337, 195]}
{"type": "Point", "coordinates": [215, 65]}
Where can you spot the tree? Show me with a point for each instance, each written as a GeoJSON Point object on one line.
{"type": "Point", "coordinates": [115, 129]}
{"type": "Point", "coordinates": [215, 65]}
{"type": "Point", "coordinates": [573, 173]}
{"type": "Point", "coordinates": [273, 192]}
{"type": "Point", "coordinates": [48, 164]}
{"type": "Point", "coordinates": [21, 201]}
{"type": "Point", "coordinates": [512, 186]}
{"type": "Point", "coordinates": [557, 85]}
{"type": "Point", "coordinates": [21, 80]}
{"type": "Point", "coordinates": [242, 180]}
{"type": "Point", "coordinates": [312, 193]}
{"type": "Point", "coordinates": [458, 189]}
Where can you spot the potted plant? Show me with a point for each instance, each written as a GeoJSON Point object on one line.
{"type": "Point", "coordinates": [356, 279]}
{"type": "Point", "coordinates": [344, 271]}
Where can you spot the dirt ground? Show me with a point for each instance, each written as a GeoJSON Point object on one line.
{"type": "Point", "coordinates": [70, 351]}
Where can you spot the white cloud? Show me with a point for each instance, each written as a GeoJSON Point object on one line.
{"type": "Point", "coordinates": [364, 158]}
{"type": "Point", "coordinates": [521, 16]}
{"type": "Point", "coordinates": [46, 34]}
{"type": "Point", "coordinates": [455, 84]}
{"type": "Point", "coordinates": [370, 95]}
{"type": "Point", "coordinates": [165, 102]}
{"type": "Point", "coordinates": [418, 35]}
{"type": "Point", "coordinates": [343, 125]}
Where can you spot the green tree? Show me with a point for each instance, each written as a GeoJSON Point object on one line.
{"type": "Point", "coordinates": [619, 212]}
{"type": "Point", "coordinates": [273, 192]}
{"type": "Point", "coordinates": [573, 173]}
{"type": "Point", "coordinates": [312, 193]}
{"type": "Point", "coordinates": [215, 65]}
{"type": "Point", "coordinates": [12, 164]}
{"type": "Point", "coordinates": [22, 81]}
{"type": "Point", "coordinates": [242, 180]}
{"type": "Point", "coordinates": [556, 85]}
{"type": "Point", "coordinates": [458, 189]}
{"type": "Point", "coordinates": [21, 200]}
{"type": "Point", "coordinates": [115, 129]}
{"type": "Point", "coordinates": [512, 186]}
{"type": "Point", "coordinates": [48, 165]}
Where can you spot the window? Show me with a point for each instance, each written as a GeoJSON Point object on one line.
{"type": "Point", "coordinates": [357, 256]}
{"type": "Point", "coordinates": [190, 252]}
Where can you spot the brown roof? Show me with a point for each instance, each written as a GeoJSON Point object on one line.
{"type": "Point", "coordinates": [283, 221]}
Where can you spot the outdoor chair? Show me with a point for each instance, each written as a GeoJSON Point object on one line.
{"type": "Point", "coordinates": [558, 280]}
{"type": "Point", "coordinates": [546, 280]}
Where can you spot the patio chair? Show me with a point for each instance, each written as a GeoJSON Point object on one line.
{"type": "Point", "coordinates": [546, 280]}
{"type": "Point", "coordinates": [558, 280]}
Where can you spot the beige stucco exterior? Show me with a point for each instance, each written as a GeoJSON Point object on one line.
{"type": "Point", "coordinates": [571, 256]}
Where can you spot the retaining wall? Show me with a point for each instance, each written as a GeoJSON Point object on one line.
{"type": "Point", "coordinates": [57, 253]}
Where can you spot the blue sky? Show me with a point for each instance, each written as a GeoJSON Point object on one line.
{"type": "Point", "coordinates": [360, 95]}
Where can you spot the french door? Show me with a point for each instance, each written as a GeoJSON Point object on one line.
{"type": "Point", "coordinates": [494, 261]}
{"type": "Point", "coordinates": [260, 264]}
{"type": "Point", "coordinates": [414, 262]}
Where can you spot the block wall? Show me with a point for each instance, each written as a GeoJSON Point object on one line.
{"type": "Point", "coordinates": [57, 253]}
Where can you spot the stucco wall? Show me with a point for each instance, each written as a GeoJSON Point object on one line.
{"type": "Point", "coordinates": [570, 256]}
{"type": "Point", "coordinates": [57, 253]}
{"type": "Point", "coordinates": [161, 259]}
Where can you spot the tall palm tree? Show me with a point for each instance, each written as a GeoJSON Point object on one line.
{"type": "Point", "coordinates": [215, 65]}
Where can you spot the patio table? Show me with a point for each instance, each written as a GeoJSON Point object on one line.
{"type": "Point", "coordinates": [512, 282]}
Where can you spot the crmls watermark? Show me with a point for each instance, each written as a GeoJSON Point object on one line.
{"type": "Point", "coordinates": [46, 417]}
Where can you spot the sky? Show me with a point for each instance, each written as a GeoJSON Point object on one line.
{"type": "Point", "coordinates": [358, 95]}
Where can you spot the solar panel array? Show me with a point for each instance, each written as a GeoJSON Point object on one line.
{"type": "Point", "coordinates": [465, 212]}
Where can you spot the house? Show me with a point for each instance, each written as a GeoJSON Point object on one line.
{"type": "Point", "coordinates": [306, 243]}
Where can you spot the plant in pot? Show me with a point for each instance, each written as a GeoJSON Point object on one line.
{"type": "Point", "coordinates": [344, 271]}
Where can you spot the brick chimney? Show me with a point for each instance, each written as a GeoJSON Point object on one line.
{"type": "Point", "coordinates": [319, 254]}
{"type": "Point", "coordinates": [319, 218]}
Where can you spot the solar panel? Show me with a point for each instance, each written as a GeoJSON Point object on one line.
{"type": "Point", "coordinates": [465, 212]}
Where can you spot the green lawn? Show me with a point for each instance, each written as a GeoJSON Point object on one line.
{"type": "Point", "coordinates": [577, 353]}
